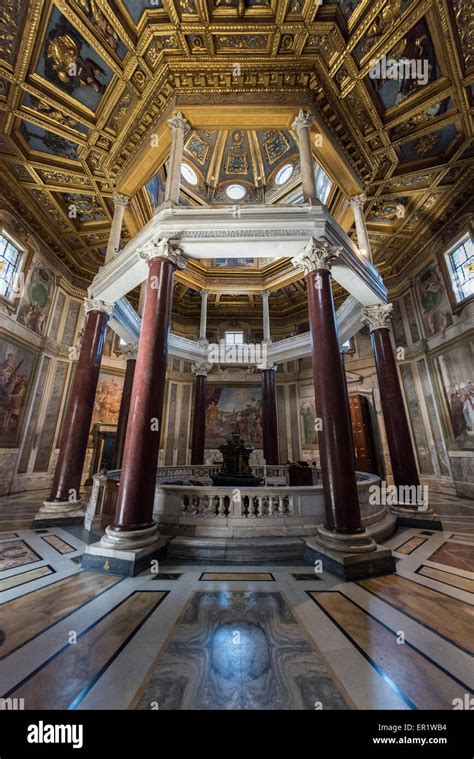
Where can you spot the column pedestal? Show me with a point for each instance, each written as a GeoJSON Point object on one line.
{"type": "Point", "coordinates": [132, 541]}
{"type": "Point", "coordinates": [64, 506]}
{"type": "Point", "coordinates": [411, 509]}
{"type": "Point", "coordinates": [342, 543]}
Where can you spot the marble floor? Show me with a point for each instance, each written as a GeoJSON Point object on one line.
{"type": "Point", "coordinates": [234, 637]}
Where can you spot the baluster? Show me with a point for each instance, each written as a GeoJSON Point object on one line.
{"type": "Point", "coordinates": [221, 506]}
{"type": "Point", "coordinates": [291, 508]}
{"type": "Point", "coordinates": [270, 509]}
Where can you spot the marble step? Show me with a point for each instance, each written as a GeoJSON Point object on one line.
{"type": "Point", "coordinates": [245, 550]}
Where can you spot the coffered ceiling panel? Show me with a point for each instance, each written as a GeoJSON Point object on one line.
{"type": "Point", "coordinates": [85, 84]}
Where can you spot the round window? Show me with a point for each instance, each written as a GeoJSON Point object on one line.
{"type": "Point", "coordinates": [235, 192]}
{"type": "Point", "coordinates": [284, 174]}
{"type": "Point", "coordinates": [188, 174]}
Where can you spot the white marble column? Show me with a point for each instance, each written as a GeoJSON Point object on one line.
{"type": "Point", "coordinates": [357, 205]}
{"type": "Point", "coordinates": [302, 126]}
{"type": "Point", "coordinates": [179, 128]}
{"type": "Point", "coordinates": [266, 317]}
{"type": "Point", "coordinates": [203, 322]}
{"type": "Point", "coordinates": [113, 245]}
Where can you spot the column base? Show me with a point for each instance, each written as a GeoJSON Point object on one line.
{"type": "Point", "coordinates": [59, 514]}
{"type": "Point", "coordinates": [351, 566]}
{"type": "Point", "coordinates": [410, 515]}
{"type": "Point", "coordinates": [126, 557]}
{"type": "Point", "coordinates": [358, 542]}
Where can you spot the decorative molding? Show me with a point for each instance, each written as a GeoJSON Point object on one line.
{"type": "Point", "coordinates": [98, 305]}
{"type": "Point", "coordinates": [377, 317]}
{"type": "Point", "coordinates": [318, 254]}
{"type": "Point", "coordinates": [163, 249]}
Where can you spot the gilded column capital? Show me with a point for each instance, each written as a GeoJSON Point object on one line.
{"type": "Point", "coordinates": [163, 249]}
{"type": "Point", "coordinates": [318, 254]}
{"type": "Point", "coordinates": [98, 305]}
{"type": "Point", "coordinates": [120, 200]}
{"type": "Point", "coordinates": [377, 316]}
{"type": "Point", "coordinates": [179, 122]}
{"type": "Point", "coordinates": [304, 119]}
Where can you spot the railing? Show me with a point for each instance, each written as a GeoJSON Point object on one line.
{"type": "Point", "coordinates": [187, 471]}
{"type": "Point", "coordinates": [214, 502]}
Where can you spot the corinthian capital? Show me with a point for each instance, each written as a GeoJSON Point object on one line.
{"type": "Point", "coordinates": [201, 368]}
{"type": "Point", "coordinates": [98, 305]}
{"type": "Point", "coordinates": [120, 200]}
{"type": "Point", "coordinates": [318, 254]}
{"type": "Point", "coordinates": [129, 351]}
{"type": "Point", "coordinates": [357, 201]}
{"type": "Point", "coordinates": [377, 317]}
{"type": "Point", "coordinates": [178, 122]}
{"type": "Point", "coordinates": [303, 119]}
{"type": "Point", "coordinates": [163, 249]}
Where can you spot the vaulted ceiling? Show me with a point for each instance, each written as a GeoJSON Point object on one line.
{"type": "Point", "coordinates": [84, 84]}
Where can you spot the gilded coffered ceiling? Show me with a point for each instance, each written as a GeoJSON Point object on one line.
{"type": "Point", "coordinates": [87, 85]}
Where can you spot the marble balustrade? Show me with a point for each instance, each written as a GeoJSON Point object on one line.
{"type": "Point", "coordinates": [226, 511]}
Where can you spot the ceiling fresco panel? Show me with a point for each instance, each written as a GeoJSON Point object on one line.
{"type": "Point", "coordinates": [70, 63]}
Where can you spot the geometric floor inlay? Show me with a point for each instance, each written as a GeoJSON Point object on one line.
{"type": "Point", "coordinates": [239, 650]}
{"type": "Point", "coordinates": [64, 680]}
{"type": "Point", "coordinates": [418, 680]}
{"type": "Point", "coordinates": [235, 576]}
{"type": "Point", "coordinates": [14, 581]}
{"type": "Point", "coordinates": [448, 578]}
{"type": "Point", "coordinates": [16, 553]}
{"type": "Point", "coordinates": [455, 555]}
{"type": "Point", "coordinates": [58, 544]}
{"type": "Point", "coordinates": [423, 604]}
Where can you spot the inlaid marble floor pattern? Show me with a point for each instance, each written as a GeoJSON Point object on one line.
{"type": "Point", "coordinates": [235, 637]}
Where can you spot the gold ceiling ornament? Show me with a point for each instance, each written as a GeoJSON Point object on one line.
{"type": "Point", "coordinates": [324, 70]}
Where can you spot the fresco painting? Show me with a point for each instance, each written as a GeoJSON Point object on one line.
{"type": "Point", "coordinates": [234, 409]}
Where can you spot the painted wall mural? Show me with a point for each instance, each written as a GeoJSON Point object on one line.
{"type": "Point", "coordinates": [33, 312]}
{"type": "Point", "coordinates": [435, 308]}
{"type": "Point", "coordinates": [233, 409]}
{"type": "Point", "coordinates": [107, 399]}
{"type": "Point", "coordinates": [17, 369]}
{"type": "Point", "coordinates": [308, 420]}
{"type": "Point", "coordinates": [456, 372]}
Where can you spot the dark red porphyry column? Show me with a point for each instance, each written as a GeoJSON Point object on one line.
{"type": "Point", "coordinates": [135, 498]}
{"type": "Point", "coordinates": [130, 354]}
{"type": "Point", "coordinates": [199, 414]}
{"type": "Point", "coordinates": [269, 416]}
{"type": "Point", "coordinates": [77, 421]}
{"type": "Point", "coordinates": [342, 511]}
{"type": "Point", "coordinates": [402, 456]}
